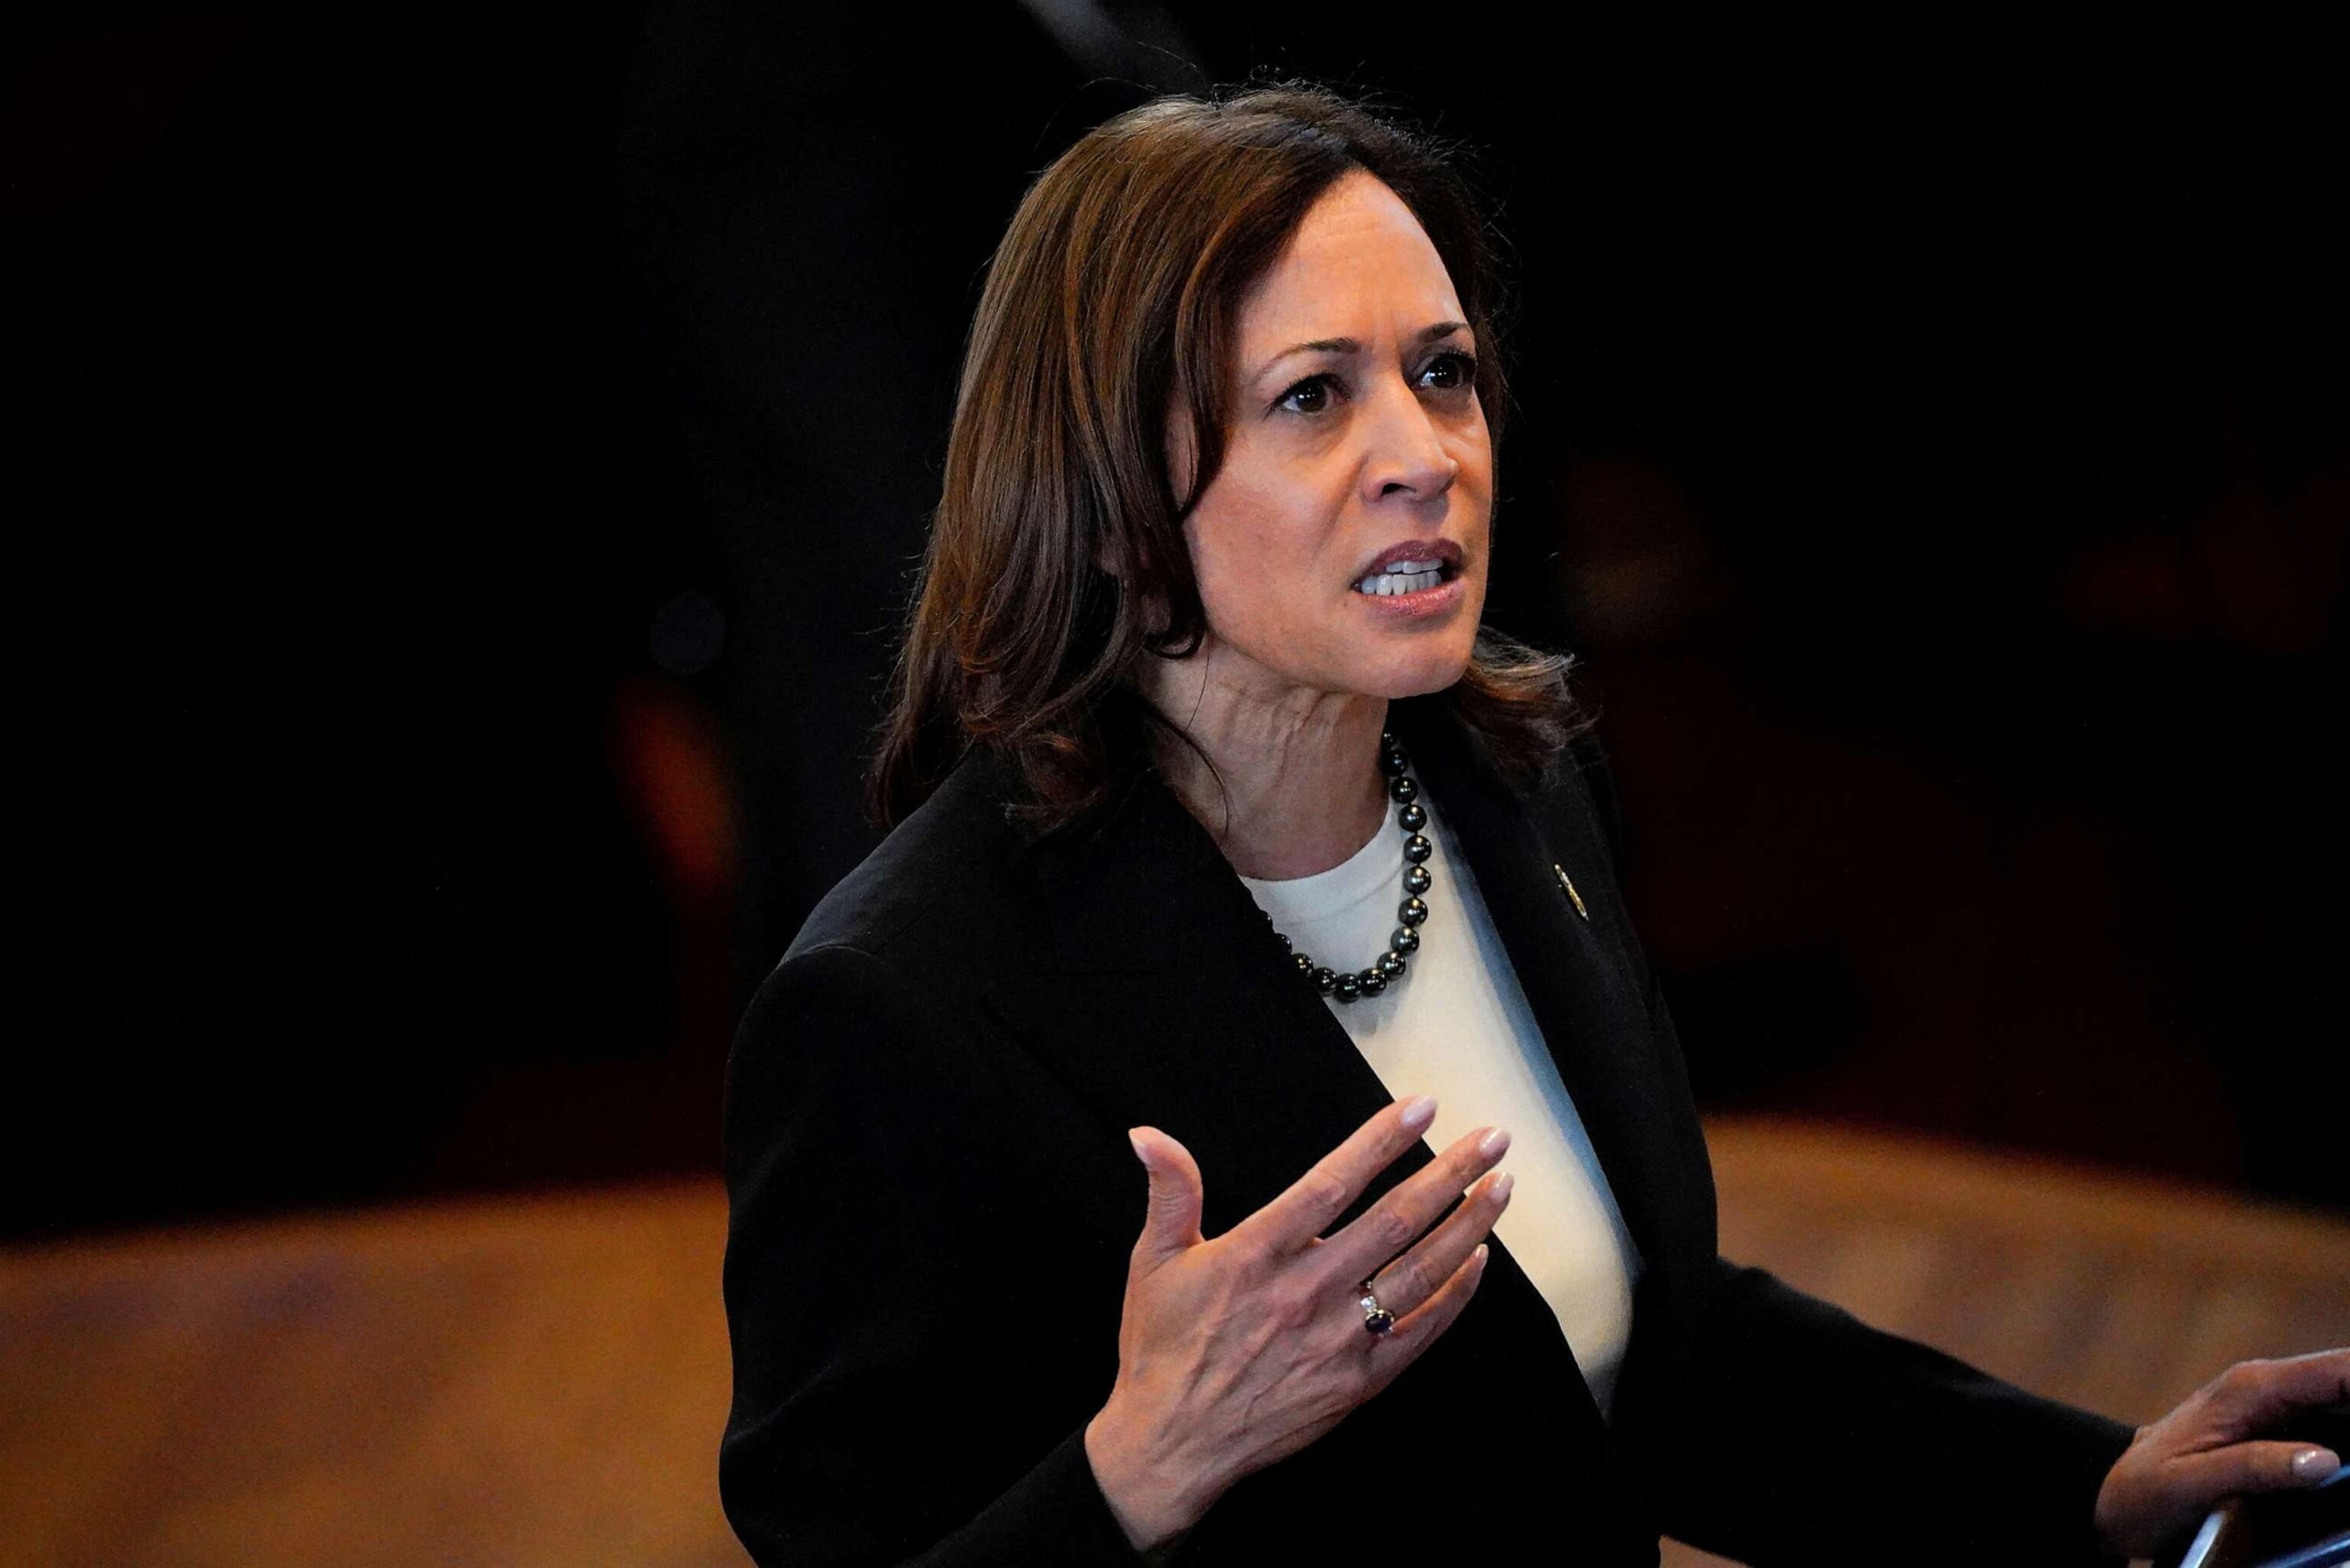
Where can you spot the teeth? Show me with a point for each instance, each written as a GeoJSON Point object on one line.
{"type": "Point", "coordinates": [1384, 585]}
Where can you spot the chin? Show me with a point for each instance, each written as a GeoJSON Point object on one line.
{"type": "Point", "coordinates": [1431, 670]}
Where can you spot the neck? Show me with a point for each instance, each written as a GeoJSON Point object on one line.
{"type": "Point", "coordinates": [1294, 784]}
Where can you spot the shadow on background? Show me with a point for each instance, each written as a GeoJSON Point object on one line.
{"type": "Point", "coordinates": [467, 476]}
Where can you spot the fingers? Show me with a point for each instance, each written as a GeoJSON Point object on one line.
{"type": "Point", "coordinates": [1170, 1218]}
{"type": "Point", "coordinates": [1415, 1332]}
{"type": "Point", "coordinates": [1412, 1279]}
{"type": "Point", "coordinates": [1397, 1219]}
{"type": "Point", "coordinates": [2250, 1467]}
{"type": "Point", "coordinates": [1316, 1200]}
{"type": "Point", "coordinates": [2263, 1395]}
{"type": "Point", "coordinates": [2260, 1426]}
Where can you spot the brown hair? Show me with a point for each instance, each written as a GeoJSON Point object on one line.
{"type": "Point", "coordinates": [1058, 539]}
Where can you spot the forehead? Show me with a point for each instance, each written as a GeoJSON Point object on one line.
{"type": "Point", "coordinates": [1360, 262]}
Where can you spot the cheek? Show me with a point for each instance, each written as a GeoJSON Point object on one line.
{"type": "Point", "coordinates": [1257, 547]}
{"type": "Point", "coordinates": [1238, 567]}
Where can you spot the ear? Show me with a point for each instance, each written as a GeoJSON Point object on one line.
{"type": "Point", "coordinates": [1109, 566]}
{"type": "Point", "coordinates": [1105, 561]}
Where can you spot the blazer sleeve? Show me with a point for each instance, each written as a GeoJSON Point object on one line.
{"type": "Point", "coordinates": [1826, 1441]}
{"type": "Point", "coordinates": [1801, 1435]}
{"type": "Point", "coordinates": [864, 1429]}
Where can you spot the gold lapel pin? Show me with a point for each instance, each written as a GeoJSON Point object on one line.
{"type": "Point", "coordinates": [1568, 882]}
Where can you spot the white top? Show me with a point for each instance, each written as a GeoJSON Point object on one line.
{"type": "Point", "coordinates": [1458, 1027]}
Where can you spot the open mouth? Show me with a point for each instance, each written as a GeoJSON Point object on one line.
{"type": "Point", "coordinates": [1406, 577]}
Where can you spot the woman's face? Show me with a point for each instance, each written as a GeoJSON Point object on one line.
{"type": "Point", "coordinates": [1342, 547]}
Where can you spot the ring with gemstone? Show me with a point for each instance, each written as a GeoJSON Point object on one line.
{"type": "Point", "coordinates": [1376, 1318]}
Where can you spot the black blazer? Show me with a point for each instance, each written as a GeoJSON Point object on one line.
{"type": "Point", "coordinates": [933, 1199]}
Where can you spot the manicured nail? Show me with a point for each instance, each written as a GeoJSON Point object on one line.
{"type": "Point", "coordinates": [1492, 1145]}
{"type": "Point", "coordinates": [1502, 1185]}
{"type": "Point", "coordinates": [1134, 1141]}
{"type": "Point", "coordinates": [1417, 1112]}
{"type": "Point", "coordinates": [1480, 1254]}
{"type": "Point", "coordinates": [2313, 1464]}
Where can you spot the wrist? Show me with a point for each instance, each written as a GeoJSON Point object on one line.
{"type": "Point", "coordinates": [2111, 1514]}
{"type": "Point", "coordinates": [1152, 1498]}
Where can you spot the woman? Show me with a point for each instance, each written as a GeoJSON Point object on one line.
{"type": "Point", "coordinates": [1224, 840]}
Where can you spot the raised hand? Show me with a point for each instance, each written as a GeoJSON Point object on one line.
{"type": "Point", "coordinates": [2233, 1434]}
{"type": "Point", "coordinates": [1237, 1352]}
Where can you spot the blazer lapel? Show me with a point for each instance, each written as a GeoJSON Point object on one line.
{"type": "Point", "coordinates": [1583, 996]}
{"type": "Point", "coordinates": [1179, 1009]}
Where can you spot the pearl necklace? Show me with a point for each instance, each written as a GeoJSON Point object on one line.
{"type": "Point", "coordinates": [1389, 967]}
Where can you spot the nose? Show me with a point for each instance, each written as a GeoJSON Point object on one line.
{"type": "Point", "coordinates": [1407, 453]}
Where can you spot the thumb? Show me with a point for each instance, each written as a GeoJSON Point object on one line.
{"type": "Point", "coordinates": [1170, 1220]}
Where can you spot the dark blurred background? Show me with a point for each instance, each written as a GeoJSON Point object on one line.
{"type": "Point", "coordinates": [465, 467]}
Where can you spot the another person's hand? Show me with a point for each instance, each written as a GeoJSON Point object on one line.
{"type": "Point", "coordinates": [1238, 1352]}
{"type": "Point", "coordinates": [2218, 1443]}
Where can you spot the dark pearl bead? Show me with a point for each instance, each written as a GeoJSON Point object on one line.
{"type": "Point", "coordinates": [1386, 739]}
{"type": "Point", "coordinates": [1388, 968]}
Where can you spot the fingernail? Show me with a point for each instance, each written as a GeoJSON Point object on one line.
{"type": "Point", "coordinates": [1502, 1185]}
{"type": "Point", "coordinates": [1481, 1254]}
{"type": "Point", "coordinates": [1417, 1112]}
{"type": "Point", "coordinates": [2314, 1464]}
{"type": "Point", "coordinates": [1492, 1145]}
{"type": "Point", "coordinates": [1134, 1141]}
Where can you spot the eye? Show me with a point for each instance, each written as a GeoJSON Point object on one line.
{"type": "Point", "coordinates": [1310, 396]}
{"type": "Point", "coordinates": [1449, 372]}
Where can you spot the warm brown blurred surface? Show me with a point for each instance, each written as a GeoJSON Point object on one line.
{"type": "Point", "coordinates": [2123, 1295]}
{"type": "Point", "coordinates": [542, 1381]}
{"type": "Point", "coordinates": [511, 1382]}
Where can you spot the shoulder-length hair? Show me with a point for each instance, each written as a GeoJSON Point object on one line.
{"type": "Point", "coordinates": [1056, 561]}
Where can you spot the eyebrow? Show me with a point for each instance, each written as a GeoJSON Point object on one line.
{"type": "Point", "coordinates": [1354, 346]}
